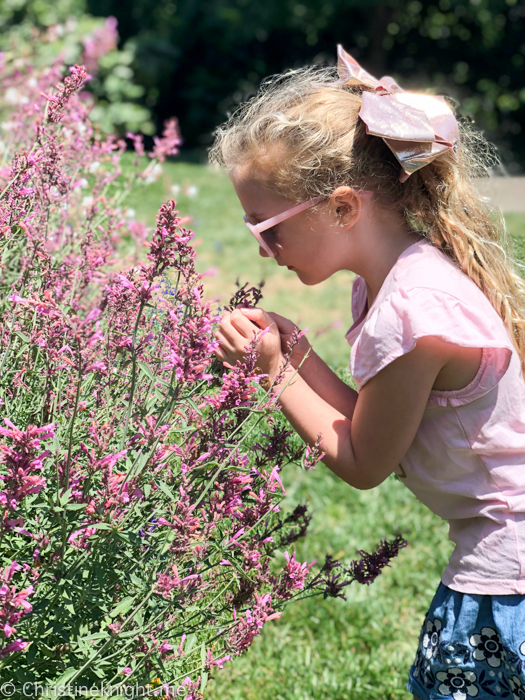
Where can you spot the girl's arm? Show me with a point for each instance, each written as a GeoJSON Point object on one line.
{"type": "Point", "coordinates": [327, 385]}
{"type": "Point", "coordinates": [315, 372]}
{"type": "Point", "coordinates": [366, 449]}
{"type": "Point", "coordinates": [363, 450]}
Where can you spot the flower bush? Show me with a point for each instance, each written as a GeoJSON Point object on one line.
{"type": "Point", "coordinates": [140, 484]}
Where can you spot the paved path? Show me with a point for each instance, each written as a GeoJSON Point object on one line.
{"type": "Point", "coordinates": [507, 193]}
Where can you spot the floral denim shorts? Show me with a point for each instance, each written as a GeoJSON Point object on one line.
{"type": "Point", "coordinates": [471, 646]}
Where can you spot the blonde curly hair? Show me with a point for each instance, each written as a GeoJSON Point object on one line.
{"type": "Point", "coordinates": [305, 136]}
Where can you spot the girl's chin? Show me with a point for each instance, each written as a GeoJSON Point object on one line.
{"type": "Point", "coordinates": [309, 279]}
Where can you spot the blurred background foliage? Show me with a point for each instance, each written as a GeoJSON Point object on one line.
{"type": "Point", "coordinates": [47, 30]}
{"type": "Point", "coordinates": [197, 59]}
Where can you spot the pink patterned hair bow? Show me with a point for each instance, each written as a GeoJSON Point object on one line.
{"type": "Point", "coordinates": [416, 128]}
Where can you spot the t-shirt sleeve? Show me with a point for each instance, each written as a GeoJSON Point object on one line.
{"type": "Point", "coordinates": [404, 316]}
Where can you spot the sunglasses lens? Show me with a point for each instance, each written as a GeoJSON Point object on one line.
{"type": "Point", "coordinates": [263, 244]}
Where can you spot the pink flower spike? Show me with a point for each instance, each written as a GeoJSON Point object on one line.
{"type": "Point", "coordinates": [65, 89]}
{"type": "Point", "coordinates": [17, 645]}
{"type": "Point", "coordinates": [126, 283]}
{"type": "Point", "coordinates": [275, 475]}
{"type": "Point", "coordinates": [274, 616]}
{"type": "Point", "coordinates": [179, 648]}
{"type": "Point", "coordinates": [220, 662]}
{"type": "Point", "coordinates": [17, 299]}
{"type": "Point", "coordinates": [93, 314]}
{"type": "Point", "coordinates": [234, 538]}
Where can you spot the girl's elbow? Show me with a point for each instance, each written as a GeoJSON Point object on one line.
{"type": "Point", "coordinates": [363, 483]}
{"type": "Point", "coordinates": [350, 474]}
{"type": "Point", "coordinates": [365, 479]}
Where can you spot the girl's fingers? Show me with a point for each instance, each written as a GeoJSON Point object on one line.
{"type": "Point", "coordinates": [244, 325]}
{"type": "Point", "coordinates": [233, 342]}
{"type": "Point", "coordinates": [227, 331]}
{"type": "Point", "coordinates": [224, 343]}
{"type": "Point", "coordinates": [260, 318]}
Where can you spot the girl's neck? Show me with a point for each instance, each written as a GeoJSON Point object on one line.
{"type": "Point", "coordinates": [375, 273]}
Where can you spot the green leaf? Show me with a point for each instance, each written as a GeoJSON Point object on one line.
{"type": "Point", "coordinates": [169, 539]}
{"type": "Point", "coordinates": [101, 526]}
{"type": "Point", "coordinates": [64, 498]}
{"type": "Point", "coordinates": [22, 336]}
{"type": "Point", "coordinates": [194, 405]}
{"type": "Point", "coordinates": [95, 636]}
{"type": "Point", "coordinates": [203, 653]}
{"type": "Point", "coordinates": [191, 640]}
{"type": "Point", "coordinates": [123, 607]}
{"type": "Point", "coordinates": [146, 370]}
{"type": "Point", "coordinates": [204, 681]}
{"type": "Point", "coordinates": [163, 487]}
{"type": "Point", "coordinates": [126, 635]}
{"type": "Point", "coordinates": [68, 673]}
{"type": "Point", "coordinates": [136, 580]}
{"type": "Point", "coordinates": [125, 537]}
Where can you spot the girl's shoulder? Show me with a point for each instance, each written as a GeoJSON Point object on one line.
{"type": "Point", "coordinates": [425, 273]}
{"type": "Point", "coordinates": [423, 266]}
{"type": "Point", "coordinates": [424, 294]}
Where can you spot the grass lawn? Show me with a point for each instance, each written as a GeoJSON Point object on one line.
{"type": "Point", "coordinates": [333, 649]}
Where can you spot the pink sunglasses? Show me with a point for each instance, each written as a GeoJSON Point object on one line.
{"type": "Point", "coordinates": [257, 229]}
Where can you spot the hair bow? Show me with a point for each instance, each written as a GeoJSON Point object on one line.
{"type": "Point", "coordinates": [416, 128]}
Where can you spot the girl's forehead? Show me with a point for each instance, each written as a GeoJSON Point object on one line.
{"type": "Point", "coordinates": [254, 190]}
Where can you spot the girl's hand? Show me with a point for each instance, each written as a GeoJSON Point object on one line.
{"type": "Point", "coordinates": [236, 331]}
{"type": "Point", "coordinates": [286, 329]}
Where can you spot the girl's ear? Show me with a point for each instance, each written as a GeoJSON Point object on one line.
{"type": "Point", "coordinates": [345, 204]}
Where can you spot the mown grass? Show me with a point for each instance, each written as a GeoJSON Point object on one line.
{"type": "Point", "coordinates": [363, 647]}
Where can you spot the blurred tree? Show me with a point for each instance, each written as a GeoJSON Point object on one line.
{"type": "Point", "coordinates": [198, 58]}
{"type": "Point", "coordinates": [472, 50]}
{"type": "Point", "coordinates": [45, 30]}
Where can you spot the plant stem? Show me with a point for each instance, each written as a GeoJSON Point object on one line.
{"type": "Point", "coordinates": [133, 376]}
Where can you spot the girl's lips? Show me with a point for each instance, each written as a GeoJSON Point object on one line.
{"type": "Point", "coordinates": [289, 267]}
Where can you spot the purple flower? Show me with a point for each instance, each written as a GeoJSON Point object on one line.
{"type": "Point", "coordinates": [21, 459]}
{"type": "Point", "coordinates": [13, 605]}
{"type": "Point", "coordinates": [369, 566]}
{"type": "Point", "coordinates": [71, 83]}
{"type": "Point", "coordinates": [168, 144]}
{"type": "Point", "coordinates": [17, 645]}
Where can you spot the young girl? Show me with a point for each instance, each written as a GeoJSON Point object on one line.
{"type": "Point", "coordinates": [352, 173]}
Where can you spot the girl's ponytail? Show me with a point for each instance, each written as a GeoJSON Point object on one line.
{"type": "Point", "coordinates": [456, 219]}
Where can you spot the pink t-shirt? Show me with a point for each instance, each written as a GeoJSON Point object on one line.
{"type": "Point", "coordinates": [467, 461]}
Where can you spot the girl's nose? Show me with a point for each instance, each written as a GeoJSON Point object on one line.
{"type": "Point", "coordinates": [262, 252]}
